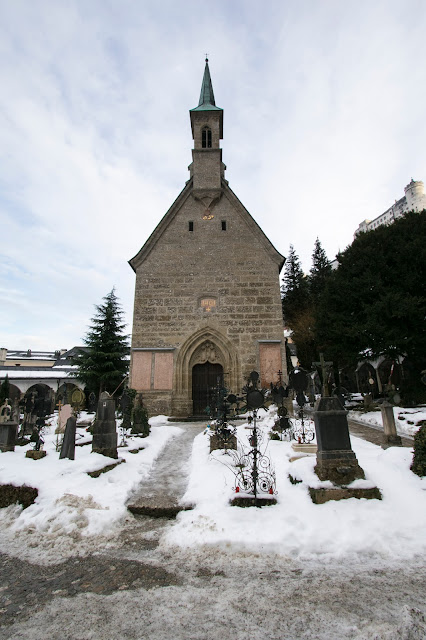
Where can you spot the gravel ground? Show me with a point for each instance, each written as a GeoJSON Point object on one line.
{"type": "Point", "coordinates": [133, 587]}
{"type": "Point", "coordinates": [138, 589]}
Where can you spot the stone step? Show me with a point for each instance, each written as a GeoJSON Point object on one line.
{"type": "Point", "coordinates": [158, 508]}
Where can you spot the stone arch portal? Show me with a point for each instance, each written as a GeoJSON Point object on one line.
{"type": "Point", "coordinates": [207, 345]}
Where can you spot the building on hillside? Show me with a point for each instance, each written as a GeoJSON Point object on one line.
{"type": "Point", "coordinates": [413, 200]}
{"type": "Point", "coordinates": [207, 295]}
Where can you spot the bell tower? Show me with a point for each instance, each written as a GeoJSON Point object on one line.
{"type": "Point", "coordinates": [207, 168]}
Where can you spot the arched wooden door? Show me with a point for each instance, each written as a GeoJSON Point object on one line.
{"type": "Point", "coordinates": [204, 378]}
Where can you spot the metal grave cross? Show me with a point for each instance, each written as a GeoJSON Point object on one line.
{"type": "Point", "coordinates": [323, 364]}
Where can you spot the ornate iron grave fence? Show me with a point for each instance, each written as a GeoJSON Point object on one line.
{"type": "Point", "coordinates": [252, 468]}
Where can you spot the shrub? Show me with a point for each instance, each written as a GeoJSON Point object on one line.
{"type": "Point", "coordinates": [419, 460]}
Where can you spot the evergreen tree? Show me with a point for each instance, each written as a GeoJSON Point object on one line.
{"type": "Point", "coordinates": [320, 271]}
{"type": "Point", "coordinates": [374, 303]}
{"type": "Point", "coordinates": [294, 289]}
{"type": "Point", "coordinates": [103, 363]}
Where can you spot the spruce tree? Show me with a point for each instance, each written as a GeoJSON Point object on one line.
{"type": "Point", "coordinates": [103, 363]}
{"type": "Point", "coordinates": [294, 289]}
{"type": "Point", "coordinates": [320, 271]}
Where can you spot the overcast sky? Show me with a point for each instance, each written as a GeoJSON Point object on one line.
{"type": "Point", "coordinates": [324, 125]}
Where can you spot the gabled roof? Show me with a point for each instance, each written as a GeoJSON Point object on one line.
{"type": "Point", "coordinates": [149, 245]}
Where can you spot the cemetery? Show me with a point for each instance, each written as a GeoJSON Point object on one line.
{"type": "Point", "coordinates": [251, 459]}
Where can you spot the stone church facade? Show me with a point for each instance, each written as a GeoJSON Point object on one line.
{"type": "Point", "coordinates": [207, 295]}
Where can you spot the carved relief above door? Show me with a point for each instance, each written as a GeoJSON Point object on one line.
{"type": "Point", "coordinates": [206, 352]}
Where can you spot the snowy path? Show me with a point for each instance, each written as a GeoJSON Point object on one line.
{"type": "Point", "coordinates": [159, 494]}
{"type": "Point", "coordinates": [374, 433]}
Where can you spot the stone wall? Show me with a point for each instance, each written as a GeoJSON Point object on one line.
{"type": "Point", "coordinates": [225, 279]}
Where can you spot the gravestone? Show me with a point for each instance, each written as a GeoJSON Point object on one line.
{"type": "Point", "coordinates": [68, 444]}
{"type": "Point", "coordinates": [390, 438]}
{"type": "Point", "coordinates": [8, 428]}
{"type": "Point", "coordinates": [64, 414]}
{"type": "Point", "coordinates": [104, 428]}
{"type": "Point", "coordinates": [368, 402]}
{"type": "Point", "coordinates": [335, 459]}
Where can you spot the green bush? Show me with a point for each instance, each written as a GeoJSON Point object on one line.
{"type": "Point", "coordinates": [419, 460]}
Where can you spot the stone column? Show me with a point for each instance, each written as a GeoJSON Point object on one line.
{"type": "Point", "coordinates": [390, 437]}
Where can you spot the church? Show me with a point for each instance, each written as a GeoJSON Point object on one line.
{"type": "Point", "coordinates": [207, 296]}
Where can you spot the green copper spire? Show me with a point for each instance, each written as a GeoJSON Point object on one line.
{"type": "Point", "coordinates": [207, 95]}
{"type": "Point", "coordinates": [207, 102]}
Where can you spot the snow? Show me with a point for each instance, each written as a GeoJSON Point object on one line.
{"type": "Point", "coordinates": [407, 421]}
{"type": "Point", "coordinates": [51, 373]}
{"type": "Point", "coordinates": [295, 526]}
{"type": "Point", "coordinates": [70, 502]}
{"type": "Point", "coordinates": [72, 506]}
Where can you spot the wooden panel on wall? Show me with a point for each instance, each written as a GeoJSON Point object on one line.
{"type": "Point", "coordinates": [141, 370]}
{"type": "Point", "coordinates": [270, 362]}
{"type": "Point", "coordinates": [163, 371]}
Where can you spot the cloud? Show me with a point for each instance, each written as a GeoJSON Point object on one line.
{"type": "Point", "coordinates": [323, 127]}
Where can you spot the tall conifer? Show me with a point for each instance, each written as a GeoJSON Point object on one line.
{"type": "Point", "coordinates": [319, 272]}
{"type": "Point", "coordinates": [103, 363]}
{"type": "Point", "coordinates": [294, 289]}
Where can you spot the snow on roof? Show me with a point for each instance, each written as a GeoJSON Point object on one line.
{"type": "Point", "coordinates": [53, 373]}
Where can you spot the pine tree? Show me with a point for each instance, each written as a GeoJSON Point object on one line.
{"type": "Point", "coordinates": [103, 363]}
{"type": "Point", "coordinates": [320, 271]}
{"type": "Point", "coordinates": [294, 289]}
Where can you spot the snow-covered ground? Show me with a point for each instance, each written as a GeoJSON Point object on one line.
{"type": "Point", "coordinates": [407, 421]}
{"type": "Point", "coordinates": [71, 503]}
{"type": "Point", "coordinates": [348, 570]}
{"type": "Point", "coordinates": [74, 508]}
{"type": "Point", "coordinates": [295, 526]}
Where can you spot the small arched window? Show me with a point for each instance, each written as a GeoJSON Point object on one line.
{"type": "Point", "coordinates": [206, 138]}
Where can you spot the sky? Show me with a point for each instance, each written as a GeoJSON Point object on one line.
{"type": "Point", "coordinates": [324, 107]}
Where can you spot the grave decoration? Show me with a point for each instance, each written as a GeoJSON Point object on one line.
{"type": "Point", "coordinates": [29, 414]}
{"type": "Point", "coordinates": [255, 482]}
{"type": "Point", "coordinates": [282, 425]}
{"type": "Point", "coordinates": [303, 429]}
{"type": "Point", "coordinates": [36, 453]}
{"type": "Point", "coordinates": [222, 433]}
{"type": "Point", "coordinates": [78, 400]}
{"type": "Point", "coordinates": [140, 425]}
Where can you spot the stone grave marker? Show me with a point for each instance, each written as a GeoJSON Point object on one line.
{"type": "Point", "coordinates": [65, 413]}
{"type": "Point", "coordinates": [390, 438]}
{"type": "Point", "coordinates": [68, 444]}
{"type": "Point", "coordinates": [8, 428]}
{"type": "Point", "coordinates": [105, 428]}
{"type": "Point", "coordinates": [336, 461]}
